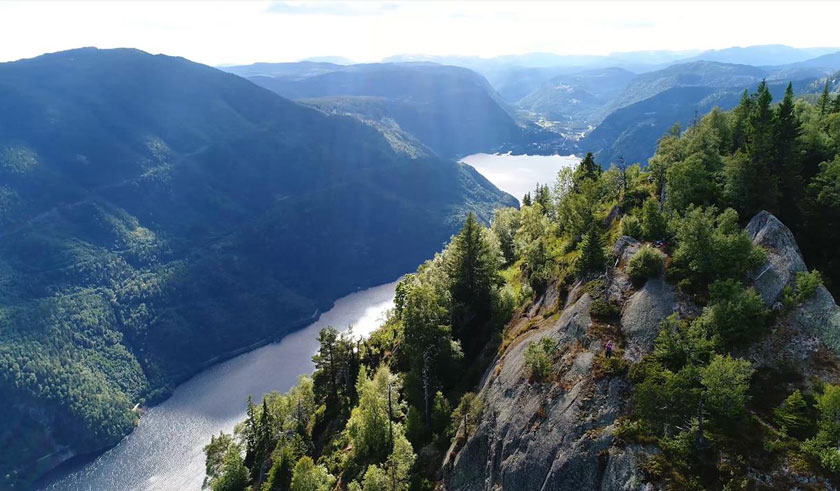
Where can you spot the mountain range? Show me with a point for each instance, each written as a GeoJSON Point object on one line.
{"type": "Point", "coordinates": [158, 215]}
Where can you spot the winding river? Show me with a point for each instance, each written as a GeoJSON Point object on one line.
{"type": "Point", "coordinates": [165, 451]}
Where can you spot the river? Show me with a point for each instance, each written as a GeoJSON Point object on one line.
{"type": "Point", "coordinates": [165, 451]}
{"type": "Point", "coordinates": [519, 174]}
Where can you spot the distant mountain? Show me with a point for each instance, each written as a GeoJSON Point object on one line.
{"type": "Point", "coordinates": [158, 214]}
{"type": "Point", "coordinates": [632, 132]}
{"type": "Point", "coordinates": [338, 60]}
{"type": "Point", "coordinates": [577, 98]}
{"type": "Point", "coordinates": [768, 54]}
{"type": "Point", "coordinates": [694, 74]}
{"type": "Point", "coordinates": [451, 110]}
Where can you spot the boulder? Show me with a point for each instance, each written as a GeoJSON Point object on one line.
{"type": "Point", "coordinates": [784, 259]}
{"type": "Point", "coordinates": [643, 313]}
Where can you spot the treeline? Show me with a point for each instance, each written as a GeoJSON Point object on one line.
{"type": "Point", "coordinates": [380, 413]}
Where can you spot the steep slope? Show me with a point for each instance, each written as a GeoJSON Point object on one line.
{"type": "Point", "coordinates": [159, 214]}
{"type": "Point", "coordinates": [452, 110]}
{"type": "Point", "coordinates": [564, 434]}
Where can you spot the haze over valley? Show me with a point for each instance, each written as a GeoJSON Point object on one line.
{"type": "Point", "coordinates": [470, 246]}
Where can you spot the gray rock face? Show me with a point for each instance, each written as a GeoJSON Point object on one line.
{"type": "Point", "coordinates": [642, 315]}
{"type": "Point", "coordinates": [554, 435]}
{"type": "Point", "coordinates": [819, 315]}
{"type": "Point", "coordinates": [783, 257]}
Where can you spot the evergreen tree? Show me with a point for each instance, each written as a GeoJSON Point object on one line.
{"type": "Point", "coordinates": [526, 200]}
{"type": "Point", "coordinates": [741, 121]}
{"type": "Point", "coordinates": [587, 169]}
{"type": "Point", "coordinates": [825, 98]}
{"type": "Point", "coordinates": [472, 268]}
{"type": "Point", "coordinates": [835, 106]}
{"type": "Point", "coordinates": [761, 146]}
{"type": "Point", "coordinates": [787, 166]}
{"type": "Point", "coordinates": [592, 258]}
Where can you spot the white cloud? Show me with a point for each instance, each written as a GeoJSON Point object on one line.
{"type": "Point", "coordinates": [244, 32]}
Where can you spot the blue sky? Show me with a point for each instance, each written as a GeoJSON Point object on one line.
{"type": "Point", "coordinates": [243, 32]}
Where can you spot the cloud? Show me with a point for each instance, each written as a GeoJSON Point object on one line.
{"type": "Point", "coordinates": [330, 8]}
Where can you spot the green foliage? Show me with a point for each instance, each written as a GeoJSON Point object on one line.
{"type": "Point", "coordinates": [725, 382]}
{"type": "Point", "coordinates": [647, 263]}
{"type": "Point", "coordinates": [824, 446]}
{"type": "Point", "coordinates": [472, 265]}
{"type": "Point", "coordinates": [735, 313]}
{"type": "Point", "coordinates": [216, 455]}
{"type": "Point", "coordinates": [792, 415]}
{"type": "Point", "coordinates": [310, 477]}
{"type": "Point", "coordinates": [653, 224]}
{"type": "Point", "coordinates": [602, 308]}
{"type": "Point", "coordinates": [467, 414]}
{"type": "Point", "coordinates": [233, 475]}
{"type": "Point", "coordinates": [592, 258]}
{"type": "Point", "coordinates": [395, 473]}
{"type": "Point", "coordinates": [370, 425]}
{"type": "Point", "coordinates": [807, 284]}
{"type": "Point", "coordinates": [506, 222]}
{"type": "Point", "coordinates": [538, 358]}
{"type": "Point", "coordinates": [631, 227]}
{"type": "Point", "coordinates": [711, 246]}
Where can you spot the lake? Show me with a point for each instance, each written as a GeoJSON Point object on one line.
{"type": "Point", "coordinates": [519, 174]}
{"type": "Point", "coordinates": [165, 451]}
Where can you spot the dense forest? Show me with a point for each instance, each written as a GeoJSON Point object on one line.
{"type": "Point", "coordinates": [156, 216]}
{"type": "Point", "coordinates": [384, 412]}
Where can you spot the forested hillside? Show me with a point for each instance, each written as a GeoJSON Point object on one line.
{"type": "Point", "coordinates": [158, 214]}
{"type": "Point", "coordinates": [635, 333]}
{"type": "Point", "coordinates": [451, 110]}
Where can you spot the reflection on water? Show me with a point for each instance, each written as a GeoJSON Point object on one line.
{"type": "Point", "coordinates": [519, 174]}
{"type": "Point", "coordinates": [165, 452]}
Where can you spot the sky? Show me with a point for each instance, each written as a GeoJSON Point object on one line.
{"type": "Point", "coordinates": [243, 32]}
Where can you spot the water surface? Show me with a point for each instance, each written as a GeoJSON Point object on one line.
{"type": "Point", "coordinates": [519, 174]}
{"type": "Point", "coordinates": [165, 452]}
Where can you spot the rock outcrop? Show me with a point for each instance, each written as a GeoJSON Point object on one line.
{"type": "Point", "coordinates": [818, 315]}
{"type": "Point", "coordinates": [559, 434]}
{"type": "Point", "coordinates": [642, 315]}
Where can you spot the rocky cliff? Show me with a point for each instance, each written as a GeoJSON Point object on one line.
{"type": "Point", "coordinates": [560, 434]}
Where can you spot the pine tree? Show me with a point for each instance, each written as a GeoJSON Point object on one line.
{"type": "Point", "coordinates": [787, 166]}
{"type": "Point", "coordinates": [761, 146]}
{"type": "Point", "coordinates": [741, 121]}
{"type": "Point", "coordinates": [472, 272]}
{"type": "Point", "coordinates": [526, 200]}
{"type": "Point", "coordinates": [592, 258]}
{"type": "Point", "coordinates": [587, 169]}
{"type": "Point", "coordinates": [835, 106]}
{"type": "Point", "coordinates": [825, 98]}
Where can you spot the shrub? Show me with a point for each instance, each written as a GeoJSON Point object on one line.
{"type": "Point", "coordinates": [806, 284]}
{"type": "Point", "coordinates": [792, 415]}
{"type": "Point", "coordinates": [538, 356]}
{"type": "Point", "coordinates": [645, 264]}
{"type": "Point", "coordinates": [613, 366]}
{"type": "Point", "coordinates": [735, 313]}
{"type": "Point", "coordinates": [631, 227]}
{"type": "Point", "coordinates": [654, 226]}
{"type": "Point", "coordinates": [603, 309]}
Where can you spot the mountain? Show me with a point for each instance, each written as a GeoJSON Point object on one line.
{"type": "Point", "coordinates": [632, 132]}
{"type": "Point", "coordinates": [768, 54]}
{"type": "Point", "coordinates": [451, 110]}
{"type": "Point", "coordinates": [159, 215]}
{"type": "Point", "coordinates": [577, 98]}
{"type": "Point", "coordinates": [697, 73]}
